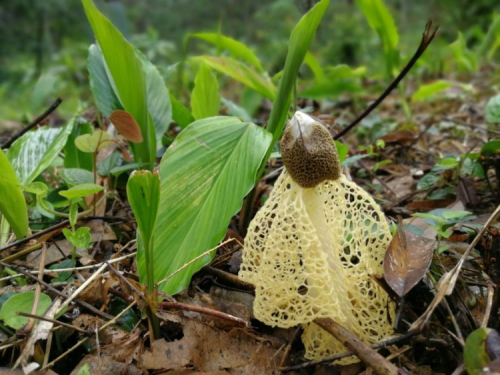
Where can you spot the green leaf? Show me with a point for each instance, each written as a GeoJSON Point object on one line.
{"type": "Point", "coordinates": [475, 355]}
{"type": "Point", "coordinates": [237, 49]}
{"type": "Point", "coordinates": [342, 150]}
{"type": "Point", "coordinates": [143, 192]}
{"type": "Point", "coordinates": [491, 41]}
{"type": "Point", "coordinates": [80, 191]}
{"type": "Point", "coordinates": [300, 39]}
{"type": "Point", "coordinates": [180, 114]}
{"type": "Point", "coordinates": [451, 214]}
{"type": "Point", "coordinates": [430, 90]}
{"type": "Point", "coordinates": [12, 202]}
{"type": "Point", "coordinates": [158, 97]}
{"type": "Point", "coordinates": [381, 21]}
{"type": "Point", "coordinates": [35, 151]}
{"type": "Point", "coordinates": [100, 85]}
{"type": "Point", "coordinates": [493, 109]}
{"type": "Point", "coordinates": [491, 148]}
{"type": "Point", "coordinates": [37, 188]}
{"type": "Point", "coordinates": [76, 176]}
{"type": "Point", "coordinates": [205, 98]}
{"type": "Point", "coordinates": [429, 180]}
{"type": "Point", "coordinates": [84, 370]}
{"type": "Point", "coordinates": [73, 214]}
{"type": "Point", "coordinates": [242, 73]}
{"type": "Point", "coordinates": [205, 174]}
{"type": "Point", "coordinates": [315, 67]}
{"type": "Point", "coordinates": [446, 163]}
{"type": "Point", "coordinates": [126, 75]}
{"type": "Point", "coordinates": [92, 142]}
{"type": "Point", "coordinates": [22, 302]}
{"type": "Point", "coordinates": [73, 157]}
{"type": "Point", "coordinates": [63, 276]}
{"type": "Point", "coordinates": [79, 238]}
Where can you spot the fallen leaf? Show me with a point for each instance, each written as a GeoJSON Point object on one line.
{"type": "Point", "coordinates": [407, 260]}
{"type": "Point", "coordinates": [208, 349]}
{"type": "Point", "coordinates": [398, 136]}
{"type": "Point", "coordinates": [430, 204]}
{"type": "Point", "coordinates": [126, 125]}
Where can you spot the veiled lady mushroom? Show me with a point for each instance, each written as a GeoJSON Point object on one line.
{"type": "Point", "coordinates": [313, 247]}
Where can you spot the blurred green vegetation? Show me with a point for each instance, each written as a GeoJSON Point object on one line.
{"type": "Point", "coordinates": [44, 44]}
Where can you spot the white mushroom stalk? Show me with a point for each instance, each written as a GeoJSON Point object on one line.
{"type": "Point", "coordinates": [314, 247]}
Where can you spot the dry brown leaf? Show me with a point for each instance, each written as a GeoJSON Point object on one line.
{"type": "Point", "coordinates": [407, 260]}
{"type": "Point", "coordinates": [430, 204]}
{"type": "Point", "coordinates": [398, 136]}
{"type": "Point", "coordinates": [208, 349]}
{"type": "Point", "coordinates": [126, 125]}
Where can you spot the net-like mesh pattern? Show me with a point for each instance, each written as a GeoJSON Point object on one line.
{"type": "Point", "coordinates": [311, 253]}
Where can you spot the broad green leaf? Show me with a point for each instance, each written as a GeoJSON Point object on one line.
{"type": "Point", "coordinates": [180, 114]}
{"type": "Point", "coordinates": [430, 90]}
{"type": "Point", "coordinates": [157, 96]}
{"type": "Point", "coordinates": [475, 355]}
{"type": "Point", "coordinates": [73, 157]}
{"type": "Point", "coordinates": [12, 203]}
{"type": "Point", "coordinates": [127, 77]}
{"type": "Point", "coordinates": [22, 302]}
{"type": "Point", "coordinates": [205, 174]}
{"type": "Point", "coordinates": [143, 192]}
{"type": "Point", "coordinates": [92, 142]}
{"type": "Point", "coordinates": [446, 163]}
{"type": "Point", "coordinates": [300, 39]}
{"type": "Point", "coordinates": [380, 20]}
{"type": "Point", "coordinates": [80, 191]}
{"type": "Point", "coordinates": [491, 148]}
{"type": "Point", "coordinates": [35, 151]}
{"type": "Point", "coordinates": [80, 238]}
{"type": "Point", "coordinates": [237, 49]}
{"type": "Point", "coordinates": [205, 98]}
{"type": "Point", "coordinates": [102, 89]}
{"type": "Point", "coordinates": [493, 110]}
{"type": "Point", "coordinates": [76, 176]}
{"type": "Point", "coordinates": [242, 73]}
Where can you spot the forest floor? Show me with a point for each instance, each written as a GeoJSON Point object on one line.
{"type": "Point", "coordinates": [433, 162]}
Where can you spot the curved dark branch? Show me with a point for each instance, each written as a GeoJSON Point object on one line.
{"type": "Point", "coordinates": [427, 38]}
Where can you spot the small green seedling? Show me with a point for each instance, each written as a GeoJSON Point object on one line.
{"type": "Point", "coordinates": [441, 220]}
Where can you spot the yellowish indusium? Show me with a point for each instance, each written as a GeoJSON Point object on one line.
{"type": "Point", "coordinates": [312, 249]}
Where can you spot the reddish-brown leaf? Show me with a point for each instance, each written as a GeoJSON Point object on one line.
{"type": "Point", "coordinates": [430, 204]}
{"type": "Point", "coordinates": [398, 136]}
{"type": "Point", "coordinates": [406, 260]}
{"type": "Point", "coordinates": [126, 125]}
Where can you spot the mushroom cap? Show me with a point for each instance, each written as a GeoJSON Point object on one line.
{"type": "Point", "coordinates": [309, 152]}
{"type": "Point", "coordinates": [312, 253]}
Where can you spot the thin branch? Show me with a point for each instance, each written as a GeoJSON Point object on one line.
{"type": "Point", "coordinates": [60, 225]}
{"type": "Point", "coordinates": [203, 310]}
{"type": "Point", "coordinates": [38, 317]}
{"type": "Point", "coordinates": [32, 124]}
{"type": "Point", "coordinates": [427, 38]}
{"type": "Point", "coordinates": [59, 293]}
